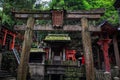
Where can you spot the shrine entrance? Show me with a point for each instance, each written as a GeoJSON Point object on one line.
{"type": "Point", "coordinates": [57, 52]}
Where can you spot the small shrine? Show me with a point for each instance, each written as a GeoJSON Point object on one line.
{"type": "Point", "coordinates": [58, 55]}
{"type": "Point", "coordinates": [36, 63]}
{"type": "Point", "coordinates": [57, 51]}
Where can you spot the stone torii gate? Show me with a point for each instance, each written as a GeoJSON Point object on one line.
{"type": "Point", "coordinates": [58, 17]}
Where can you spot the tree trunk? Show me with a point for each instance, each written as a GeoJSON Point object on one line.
{"type": "Point", "coordinates": [23, 67]}
{"type": "Point", "coordinates": [87, 47]}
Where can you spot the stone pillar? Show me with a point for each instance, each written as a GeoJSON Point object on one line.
{"type": "Point", "coordinates": [63, 54]}
{"type": "Point", "coordinates": [98, 59]}
{"type": "Point", "coordinates": [0, 60]}
{"type": "Point", "coordinates": [87, 47]}
{"type": "Point", "coordinates": [117, 56]}
{"type": "Point", "coordinates": [50, 54]}
{"type": "Point", "coordinates": [107, 76]}
{"type": "Point", "coordinates": [43, 58]}
{"type": "Point", "coordinates": [116, 73]}
{"type": "Point", "coordinates": [49, 77]}
{"type": "Point", "coordinates": [61, 77]}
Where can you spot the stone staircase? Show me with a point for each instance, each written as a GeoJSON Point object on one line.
{"type": "Point", "coordinates": [4, 75]}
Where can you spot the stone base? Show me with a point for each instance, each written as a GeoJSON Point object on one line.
{"type": "Point", "coordinates": [116, 78]}
{"type": "Point", "coordinates": [107, 75]}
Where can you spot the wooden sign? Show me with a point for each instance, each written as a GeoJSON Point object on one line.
{"type": "Point", "coordinates": [57, 18]}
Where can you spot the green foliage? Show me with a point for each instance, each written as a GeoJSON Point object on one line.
{"type": "Point", "coordinates": [7, 20]}
{"type": "Point", "coordinates": [57, 4]}
{"type": "Point", "coordinates": [34, 45]}
{"type": "Point", "coordinates": [8, 5]}
{"type": "Point", "coordinates": [0, 14]}
{"type": "Point", "coordinates": [43, 5]}
{"type": "Point", "coordinates": [111, 15]}
{"type": "Point", "coordinates": [1, 3]}
{"type": "Point", "coordinates": [110, 12]}
{"type": "Point", "coordinates": [87, 5]}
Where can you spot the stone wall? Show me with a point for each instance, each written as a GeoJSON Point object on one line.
{"type": "Point", "coordinates": [37, 71]}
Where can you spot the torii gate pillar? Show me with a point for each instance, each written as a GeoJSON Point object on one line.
{"type": "Point", "coordinates": [13, 42]}
{"type": "Point", "coordinates": [104, 43]}
{"type": "Point", "coordinates": [87, 47]}
{"type": "Point", "coordinates": [23, 66]}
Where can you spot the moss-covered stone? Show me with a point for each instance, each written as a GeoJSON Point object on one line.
{"type": "Point", "coordinates": [61, 37]}
{"type": "Point", "coordinates": [36, 50]}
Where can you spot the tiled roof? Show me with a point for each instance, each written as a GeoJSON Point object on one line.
{"type": "Point", "coordinates": [57, 37]}
{"type": "Point", "coordinates": [36, 50]}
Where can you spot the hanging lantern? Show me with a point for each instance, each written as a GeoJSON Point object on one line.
{"type": "Point", "coordinates": [57, 18]}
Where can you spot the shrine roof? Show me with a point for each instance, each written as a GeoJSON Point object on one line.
{"type": "Point", "coordinates": [107, 27]}
{"type": "Point", "coordinates": [57, 37]}
{"type": "Point", "coordinates": [37, 50]}
{"type": "Point", "coordinates": [6, 28]}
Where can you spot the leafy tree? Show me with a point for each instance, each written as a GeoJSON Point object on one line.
{"type": "Point", "coordinates": [110, 12]}
{"type": "Point", "coordinates": [41, 5]}
{"type": "Point", "coordinates": [8, 5]}
{"type": "Point", "coordinates": [57, 4]}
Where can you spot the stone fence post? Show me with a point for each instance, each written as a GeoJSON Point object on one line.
{"type": "Point", "coordinates": [107, 76]}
